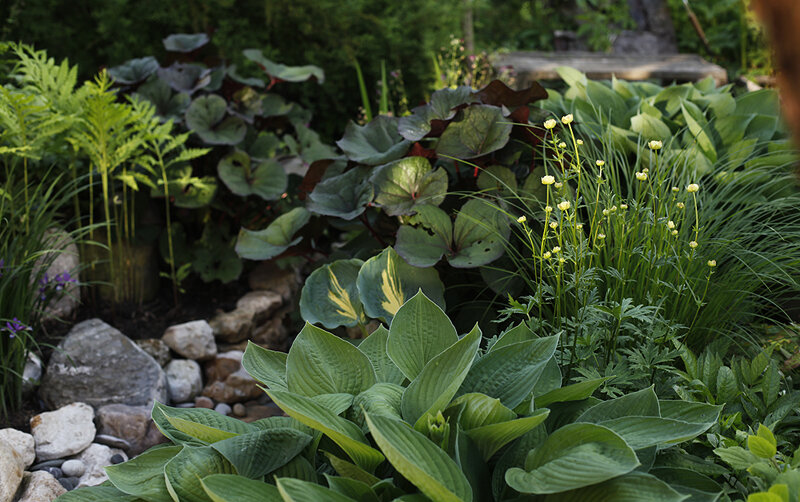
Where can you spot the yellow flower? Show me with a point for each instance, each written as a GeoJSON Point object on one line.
{"type": "Point", "coordinates": [655, 145]}
{"type": "Point", "coordinates": [645, 170]}
{"type": "Point", "coordinates": [680, 205]}
{"type": "Point", "coordinates": [562, 145]}
{"type": "Point", "coordinates": [548, 209]}
{"type": "Point", "coordinates": [674, 232]}
{"type": "Point", "coordinates": [641, 176]}
{"type": "Point", "coordinates": [579, 226]}
{"type": "Point", "coordinates": [601, 236]}
{"type": "Point", "coordinates": [623, 206]}
{"type": "Point", "coordinates": [522, 219]}
{"type": "Point", "coordinates": [600, 163]}
{"type": "Point", "coordinates": [549, 123]}
{"type": "Point", "coordinates": [693, 188]}
{"type": "Point", "coordinates": [712, 263]}
{"type": "Point", "coordinates": [556, 250]}
{"type": "Point", "coordinates": [553, 225]}
{"type": "Point", "coordinates": [564, 205]}
{"type": "Point", "coordinates": [675, 189]}
{"type": "Point", "coordinates": [548, 180]}
{"type": "Point", "coordinates": [562, 260]}
{"type": "Point", "coordinates": [693, 244]}
{"type": "Point", "coordinates": [547, 255]}
{"type": "Point", "coordinates": [613, 208]}
{"type": "Point", "coordinates": [670, 224]}
{"type": "Point", "coordinates": [605, 212]}
{"type": "Point", "coordinates": [558, 184]}
{"type": "Point", "coordinates": [579, 142]}
{"type": "Point", "coordinates": [566, 119]}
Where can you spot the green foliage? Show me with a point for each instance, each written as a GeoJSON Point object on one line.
{"type": "Point", "coordinates": [444, 429]}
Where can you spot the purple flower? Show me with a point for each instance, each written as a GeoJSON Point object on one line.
{"type": "Point", "coordinates": [15, 326]}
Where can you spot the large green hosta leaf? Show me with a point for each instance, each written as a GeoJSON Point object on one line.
{"type": "Point", "coordinates": [420, 461]}
{"type": "Point", "coordinates": [491, 437]}
{"type": "Point", "coordinates": [572, 457]}
{"type": "Point", "coordinates": [258, 453]}
{"type": "Point", "coordinates": [206, 117]}
{"type": "Point", "coordinates": [344, 196]}
{"type": "Point", "coordinates": [143, 476]}
{"type": "Point", "coordinates": [330, 295]}
{"type": "Point", "coordinates": [98, 494]}
{"type": "Point", "coordinates": [283, 72]}
{"type": "Point", "coordinates": [375, 143]}
{"type": "Point", "coordinates": [478, 236]}
{"type": "Point", "coordinates": [196, 426]}
{"type": "Point", "coordinates": [374, 346]}
{"type": "Point", "coordinates": [266, 366]}
{"type": "Point", "coordinates": [385, 282]}
{"type": "Point", "coordinates": [482, 129]}
{"type": "Point", "coordinates": [322, 363]}
{"type": "Point", "coordinates": [231, 488]}
{"type": "Point", "coordinates": [296, 490]}
{"type": "Point", "coordinates": [184, 472]}
{"type": "Point", "coordinates": [633, 487]}
{"type": "Point", "coordinates": [273, 240]}
{"type": "Point", "coordinates": [265, 179]}
{"type": "Point", "coordinates": [404, 185]}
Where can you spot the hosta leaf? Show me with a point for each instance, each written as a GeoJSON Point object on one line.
{"type": "Point", "coordinates": [519, 333]}
{"type": "Point", "coordinates": [480, 409]}
{"type": "Point", "coordinates": [185, 42]}
{"type": "Point", "coordinates": [573, 392]}
{"type": "Point", "coordinates": [344, 196]}
{"type": "Point", "coordinates": [481, 129]}
{"type": "Point", "coordinates": [187, 78]}
{"type": "Point", "coordinates": [283, 72]}
{"type": "Point", "coordinates": [510, 372]}
{"type": "Point", "coordinates": [134, 71]}
{"type": "Point", "coordinates": [265, 179]}
{"type": "Point", "coordinates": [640, 403]}
{"type": "Point", "coordinates": [381, 399]}
{"type": "Point", "coordinates": [701, 135]}
{"type": "Point", "coordinates": [296, 490]}
{"type": "Point", "coordinates": [419, 332]}
{"type": "Point", "coordinates": [633, 487]}
{"type": "Point", "coordinates": [211, 420]}
{"type": "Point", "coordinates": [385, 282]}
{"type": "Point", "coordinates": [441, 107]}
{"type": "Point", "coordinates": [420, 461]}
{"type": "Point", "coordinates": [257, 453]}
{"type": "Point", "coordinates": [266, 366]}
{"type": "Point", "coordinates": [490, 438]}
{"type": "Point", "coordinates": [273, 240]}
{"type": "Point", "coordinates": [356, 490]}
{"type": "Point", "coordinates": [184, 472]}
{"type": "Point", "coordinates": [349, 470]}
{"type": "Point", "coordinates": [479, 235]}
{"type": "Point", "coordinates": [696, 413]}
{"type": "Point", "coordinates": [230, 488]}
{"type": "Point", "coordinates": [427, 237]}
{"type": "Point", "coordinates": [650, 127]}
{"type": "Point", "coordinates": [330, 295]}
{"type": "Point", "coordinates": [143, 476]}
{"type": "Point", "coordinates": [298, 468]}
{"type": "Point", "coordinates": [437, 383]}
{"type": "Point", "coordinates": [322, 363]}
{"type": "Point", "coordinates": [205, 433]}
{"type": "Point", "coordinates": [336, 403]}
{"type": "Point", "coordinates": [343, 432]}
{"type": "Point", "coordinates": [206, 117]}
{"type": "Point", "coordinates": [401, 186]}
{"type": "Point", "coordinates": [375, 143]}
{"type": "Point", "coordinates": [572, 457]}
{"type": "Point", "coordinates": [699, 487]}
{"type": "Point", "coordinates": [643, 432]}
{"type": "Point", "coordinates": [97, 494]}
{"type": "Point", "coordinates": [374, 346]}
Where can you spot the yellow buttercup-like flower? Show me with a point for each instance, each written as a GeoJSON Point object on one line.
{"type": "Point", "coordinates": [566, 119]}
{"type": "Point", "coordinates": [712, 263]}
{"type": "Point", "coordinates": [670, 224]}
{"type": "Point", "coordinates": [600, 163]}
{"type": "Point", "coordinates": [693, 188]}
{"type": "Point", "coordinates": [553, 225]}
{"type": "Point", "coordinates": [655, 145]}
{"type": "Point", "coordinates": [548, 209]}
{"type": "Point", "coordinates": [674, 232]}
{"type": "Point", "coordinates": [548, 180]}
{"type": "Point", "coordinates": [547, 255]}
{"type": "Point", "coordinates": [556, 250]}
{"type": "Point", "coordinates": [693, 244]}
{"type": "Point", "coordinates": [549, 123]}
{"type": "Point", "coordinates": [680, 205]}
{"type": "Point", "coordinates": [601, 236]}
{"type": "Point", "coordinates": [558, 184]}
{"type": "Point", "coordinates": [564, 205]}
{"type": "Point", "coordinates": [641, 176]}
{"type": "Point", "coordinates": [579, 142]}
{"type": "Point", "coordinates": [579, 226]}
{"type": "Point", "coordinates": [675, 189]}
{"type": "Point", "coordinates": [522, 219]}
{"type": "Point", "coordinates": [562, 145]}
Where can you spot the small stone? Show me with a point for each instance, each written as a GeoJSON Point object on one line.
{"type": "Point", "coordinates": [237, 387]}
{"type": "Point", "coordinates": [268, 276]}
{"type": "Point", "coordinates": [131, 423]}
{"type": "Point", "coordinates": [31, 373]}
{"type": "Point", "coordinates": [239, 410]}
{"type": "Point", "coordinates": [203, 402]}
{"type": "Point", "coordinates": [73, 468]}
{"type": "Point", "coordinates": [156, 348]}
{"type": "Point", "coordinates": [22, 444]}
{"type": "Point", "coordinates": [259, 411]}
{"type": "Point", "coordinates": [56, 472]}
{"type": "Point", "coordinates": [67, 483]}
{"type": "Point", "coordinates": [192, 340]}
{"type": "Point", "coordinates": [39, 486]}
{"type": "Point", "coordinates": [11, 470]}
{"type": "Point", "coordinates": [112, 441]}
{"type": "Point", "coordinates": [273, 334]}
{"type": "Point", "coordinates": [184, 379]}
{"type": "Point", "coordinates": [185, 405]}
{"type": "Point", "coordinates": [260, 304]}
{"type": "Point", "coordinates": [47, 463]}
{"type": "Point", "coordinates": [117, 459]}
{"type": "Point", "coordinates": [223, 365]}
{"type": "Point", "coordinates": [223, 408]}
{"type": "Point", "coordinates": [96, 458]}
{"type": "Point", "coordinates": [232, 327]}
{"type": "Point", "coordinates": [66, 431]}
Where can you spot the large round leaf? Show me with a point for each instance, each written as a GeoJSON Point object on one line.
{"type": "Point", "coordinates": [185, 42]}
{"type": "Point", "coordinates": [283, 72]}
{"type": "Point", "coordinates": [260, 452]}
{"type": "Point", "coordinates": [186, 190]}
{"type": "Point", "coordinates": [441, 107]}
{"type": "Point", "coordinates": [143, 476]}
{"type": "Point", "coordinates": [206, 117]}
{"type": "Point", "coordinates": [405, 184]}
{"type": "Point", "coordinates": [386, 281]}
{"type": "Point", "coordinates": [572, 457]}
{"type": "Point", "coordinates": [426, 238]}
{"type": "Point", "coordinates": [479, 234]}
{"type": "Point", "coordinates": [134, 71]}
{"type": "Point", "coordinates": [330, 295]}
{"type": "Point", "coordinates": [482, 129]}
{"type": "Point", "coordinates": [273, 240]}
{"type": "Point", "coordinates": [265, 179]}
{"type": "Point", "coordinates": [344, 196]}
{"type": "Point", "coordinates": [186, 78]}
{"type": "Point", "coordinates": [375, 143]}
{"type": "Point", "coordinates": [168, 105]}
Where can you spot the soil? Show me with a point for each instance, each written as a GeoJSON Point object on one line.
{"type": "Point", "coordinates": [148, 320]}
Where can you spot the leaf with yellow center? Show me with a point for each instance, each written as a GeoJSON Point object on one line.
{"type": "Point", "coordinates": [390, 287]}
{"type": "Point", "coordinates": [339, 297]}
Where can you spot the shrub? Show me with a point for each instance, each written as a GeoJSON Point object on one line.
{"type": "Point", "coordinates": [417, 410]}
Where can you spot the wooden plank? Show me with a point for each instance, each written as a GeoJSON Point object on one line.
{"type": "Point", "coordinates": [531, 66]}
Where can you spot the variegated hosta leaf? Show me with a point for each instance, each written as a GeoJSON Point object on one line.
{"type": "Point", "coordinates": [330, 296]}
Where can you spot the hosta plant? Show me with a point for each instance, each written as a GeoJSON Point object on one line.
{"type": "Point", "coordinates": [417, 412]}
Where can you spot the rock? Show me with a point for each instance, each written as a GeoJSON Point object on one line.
{"type": "Point", "coordinates": [64, 264]}
{"type": "Point", "coordinates": [98, 365]}
{"type": "Point", "coordinates": [156, 348]}
{"type": "Point", "coordinates": [184, 379]}
{"type": "Point", "coordinates": [259, 411]}
{"type": "Point", "coordinates": [39, 486]}
{"type": "Point", "coordinates": [117, 459]}
{"type": "Point", "coordinates": [239, 410]}
{"type": "Point", "coordinates": [66, 431]}
{"type": "Point", "coordinates": [268, 276]}
{"type": "Point", "coordinates": [203, 402]}
{"type": "Point", "coordinates": [260, 303]}
{"type": "Point", "coordinates": [224, 365]}
{"type": "Point", "coordinates": [69, 484]}
{"type": "Point", "coordinates": [232, 327]}
{"type": "Point", "coordinates": [22, 444]}
{"type": "Point", "coordinates": [184, 405]}
{"type": "Point", "coordinates": [223, 409]}
{"type": "Point", "coordinates": [40, 466]}
{"type": "Point", "coordinates": [228, 381]}
{"type": "Point", "coordinates": [192, 340]}
{"type": "Point", "coordinates": [272, 334]}
{"type": "Point", "coordinates": [130, 423]}
{"type": "Point", "coordinates": [112, 441]}
{"type": "Point", "coordinates": [73, 467]}
{"type": "Point", "coordinates": [31, 373]}
{"type": "Point", "coordinates": [95, 458]}
{"type": "Point", "coordinates": [56, 472]}
{"type": "Point", "coordinates": [11, 468]}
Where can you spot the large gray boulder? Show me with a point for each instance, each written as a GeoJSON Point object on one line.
{"type": "Point", "coordinates": [98, 365]}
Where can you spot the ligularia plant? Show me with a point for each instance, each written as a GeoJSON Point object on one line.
{"type": "Point", "coordinates": [416, 412]}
